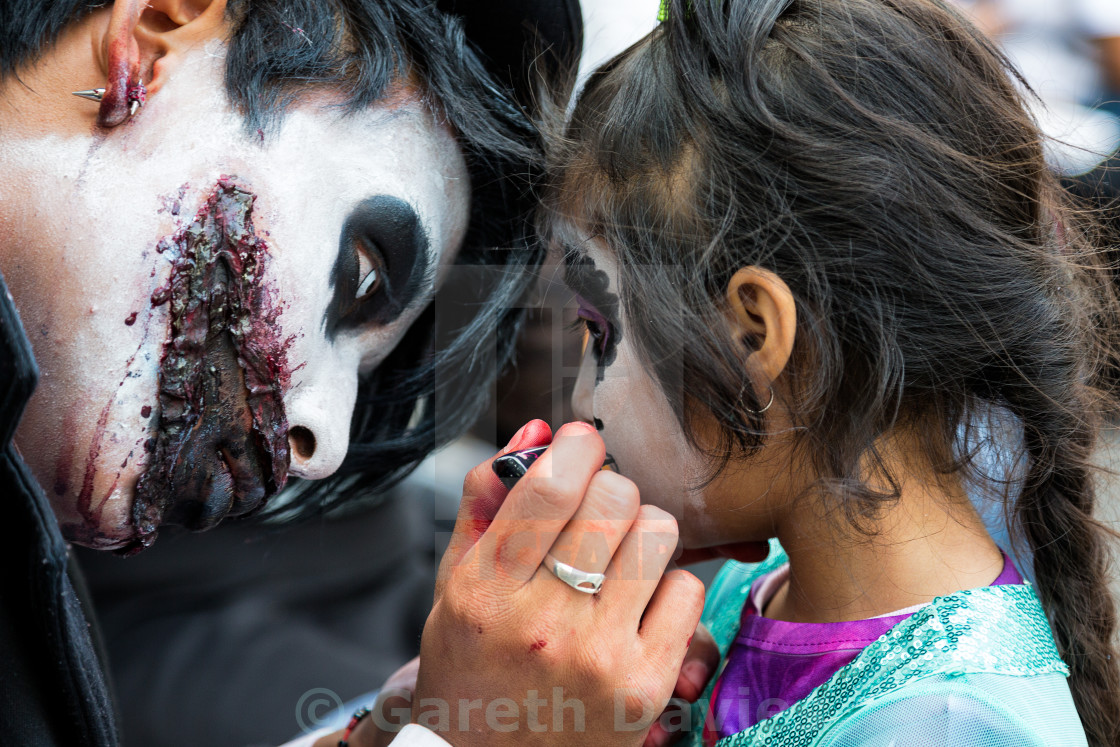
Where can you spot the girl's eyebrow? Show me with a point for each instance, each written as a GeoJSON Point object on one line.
{"type": "Point", "coordinates": [572, 256]}
{"type": "Point", "coordinates": [577, 263]}
{"type": "Point", "coordinates": [579, 269]}
{"type": "Point", "coordinates": [590, 283]}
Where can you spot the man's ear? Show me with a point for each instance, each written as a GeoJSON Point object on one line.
{"type": "Point", "coordinates": [140, 44]}
{"type": "Point", "coordinates": [763, 318]}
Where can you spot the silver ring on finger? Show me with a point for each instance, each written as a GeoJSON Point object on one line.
{"type": "Point", "coordinates": [588, 583]}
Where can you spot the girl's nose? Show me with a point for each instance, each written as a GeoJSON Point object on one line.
{"type": "Point", "coordinates": [583, 394]}
{"type": "Point", "coordinates": [319, 416]}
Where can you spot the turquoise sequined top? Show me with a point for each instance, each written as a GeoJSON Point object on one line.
{"type": "Point", "coordinates": [976, 668]}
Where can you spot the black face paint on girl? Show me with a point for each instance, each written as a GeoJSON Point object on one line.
{"type": "Point", "coordinates": [382, 260]}
{"type": "Point", "coordinates": [598, 307]}
{"type": "Point", "coordinates": [597, 327]}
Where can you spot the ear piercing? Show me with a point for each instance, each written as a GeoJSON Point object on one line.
{"type": "Point", "coordinates": [136, 96]}
{"type": "Point", "coordinates": [764, 409]}
{"type": "Point", "coordinates": [743, 390]}
{"type": "Point", "coordinates": [93, 94]}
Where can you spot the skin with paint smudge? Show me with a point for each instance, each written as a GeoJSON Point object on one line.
{"type": "Point", "coordinates": [616, 392]}
{"type": "Point", "coordinates": [598, 310]}
{"type": "Point", "coordinates": [192, 292]}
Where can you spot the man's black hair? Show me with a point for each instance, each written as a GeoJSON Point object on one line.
{"type": "Point", "coordinates": [278, 49]}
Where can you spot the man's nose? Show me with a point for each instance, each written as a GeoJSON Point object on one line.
{"type": "Point", "coordinates": [319, 413]}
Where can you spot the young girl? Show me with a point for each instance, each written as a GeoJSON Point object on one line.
{"type": "Point", "coordinates": [839, 253]}
{"type": "Point", "coordinates": [818, 252]}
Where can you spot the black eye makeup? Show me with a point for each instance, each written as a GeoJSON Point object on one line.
{"type": "Point", "coordinates": [598, 308]}
{"type": "Point", "coordinates": [382, 261]}
{"type": "Point", "coordinates": [597, 326]}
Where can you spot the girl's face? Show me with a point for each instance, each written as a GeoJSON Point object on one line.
{"type": "Point", "coordinates": [617, 392]}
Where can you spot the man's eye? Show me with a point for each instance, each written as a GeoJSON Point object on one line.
{"type": "Point", "coordinates": [371, 270]}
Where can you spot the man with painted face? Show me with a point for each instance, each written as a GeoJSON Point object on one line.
{"type": "Point", "coordinates": [219, 253]}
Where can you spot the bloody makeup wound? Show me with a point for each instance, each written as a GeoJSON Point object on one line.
{"type": "Point", "coordinates": [221, 434]}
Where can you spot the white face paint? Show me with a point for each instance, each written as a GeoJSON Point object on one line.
{"type": "Point", "coordinates": [81, 216]}
{"type": "Point", "coordinates": [617, 392]}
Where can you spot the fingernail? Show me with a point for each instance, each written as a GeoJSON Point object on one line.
{"type": "Point", "coordinates": [578, 427]}
{"type": "Point", "coordinates": [697, 673]}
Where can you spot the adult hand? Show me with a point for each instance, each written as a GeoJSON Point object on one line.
{"type": "Point", "coordinates": [392, 709]}
{"type": "Point", "coordinates": [394, 699]}
{"type": "Point", "coordinates": [513, 655]}
{"type": "Point", "coordinates": [396, 694]}
{"type": "Point", "coordinates": [699, 665]}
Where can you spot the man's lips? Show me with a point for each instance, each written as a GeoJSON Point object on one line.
{"type": "Point", "coordinates": [222, 466]}
{"type": "Point", "coordinates": [222, 487]}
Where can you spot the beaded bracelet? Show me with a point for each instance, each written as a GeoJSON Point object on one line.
{"type": "Point", "coordinates": [356, 719]}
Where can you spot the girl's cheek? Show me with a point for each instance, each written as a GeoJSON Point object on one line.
{"type": "Point", "coordinates": [600, 395]}
{"type": "Point", "coordinates": [612, 407]}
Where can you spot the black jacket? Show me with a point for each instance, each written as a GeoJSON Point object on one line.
{"type": "Point", "coordinates": [53, 684]}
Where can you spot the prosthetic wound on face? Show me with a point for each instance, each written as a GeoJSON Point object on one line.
{"type": "Point", "coordinates": [221, 437]}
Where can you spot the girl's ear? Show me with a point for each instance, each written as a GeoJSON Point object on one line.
{"type": "Point", "coordinates": [138, 49]}
{"type": "Point", "coordinates": [763, 319]}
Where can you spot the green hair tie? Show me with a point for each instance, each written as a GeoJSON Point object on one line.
{"type": "Point", "coordinates": [663, 11]}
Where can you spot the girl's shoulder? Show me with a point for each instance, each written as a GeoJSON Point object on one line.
{"type": "Point", "coordinates": [976, 667]}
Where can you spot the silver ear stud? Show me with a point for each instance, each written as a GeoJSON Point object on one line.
{"type": "Point", "coordinates": [93, 94]}
{"type": "Point", "coordinates": [136, 96]}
